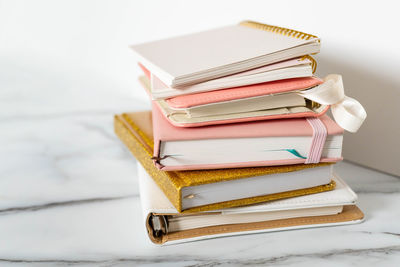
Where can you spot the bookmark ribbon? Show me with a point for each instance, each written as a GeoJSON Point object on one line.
{"type": "Point", "coordinates": [347, 111]}
{"type": "Point", "coordinates": [318, 140]}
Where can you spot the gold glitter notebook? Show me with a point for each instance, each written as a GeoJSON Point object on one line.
{"type": "Point", "coordinates": [204, 190]}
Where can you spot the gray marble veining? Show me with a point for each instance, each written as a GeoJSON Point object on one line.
{"type": "Point", "coordinates": [69, 195]}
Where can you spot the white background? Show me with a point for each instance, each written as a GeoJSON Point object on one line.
{"type": "Point", "coordinates": [68, 56]}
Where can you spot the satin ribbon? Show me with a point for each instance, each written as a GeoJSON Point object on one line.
{"type": "Point", "coordinates": [347, 111]}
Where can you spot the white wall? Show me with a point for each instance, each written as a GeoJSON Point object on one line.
{"type": "Point", "coordinates": [52, 49]}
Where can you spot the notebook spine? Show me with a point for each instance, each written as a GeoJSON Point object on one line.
{"type": "Point", "coordinates": [279, 30]}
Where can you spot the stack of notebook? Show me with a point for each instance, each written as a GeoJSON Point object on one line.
{"type": "Point", "coordinates": [238, 140]}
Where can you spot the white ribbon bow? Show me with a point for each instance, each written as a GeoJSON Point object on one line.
{"type": "Point", "coordinates": [347, 111]}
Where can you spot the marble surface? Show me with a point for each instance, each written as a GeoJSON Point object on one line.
{"type": "Point", "coordinates": [69, 192]}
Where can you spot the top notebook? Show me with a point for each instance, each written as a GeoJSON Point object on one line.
{"type": "Point", "coordinates": [207, 55]}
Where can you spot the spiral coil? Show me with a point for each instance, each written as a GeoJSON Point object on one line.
{"type": "Point", "coordinates": [313, 62]}
{"type": "Point", "coordinates": [279, 30]}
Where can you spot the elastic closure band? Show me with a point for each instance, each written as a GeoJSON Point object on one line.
{"type": "Point", "coordinates": [318, 140]}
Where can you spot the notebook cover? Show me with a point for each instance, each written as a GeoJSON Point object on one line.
{"type": "Point", "coordinates": [275, 87]}
{"type": "Point", "coordinates": [154, 202]}
{"type": "Point", "coordinates": [351, 214]}
{"type": "Point", "coordinates": [135, 130]}
{"type": "Point", "coordinates": [164, 131]}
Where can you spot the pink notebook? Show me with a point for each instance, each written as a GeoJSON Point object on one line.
{"type": "Point", "coordinates": [254, 90]}
{"type": "Point", "coordinates": [250, 144]}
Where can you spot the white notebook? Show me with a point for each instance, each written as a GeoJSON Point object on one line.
{"type": "Point", "coordinates": [211, 54]}
{"type": "Point", "coordinates": [292, 68]}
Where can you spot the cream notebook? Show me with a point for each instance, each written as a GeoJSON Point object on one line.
{"type": "Point", "coordinates": [164, 224]}
{"type": "Point", "coordinates": [292, 68]}
{"type": "Point", "coordinates": [211, 54]}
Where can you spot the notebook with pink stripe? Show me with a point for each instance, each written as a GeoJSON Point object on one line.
{"type": "Point", "coordinates": [236, 93]}
{"type": "Point", "coordinates": [264, 101]}
{"type": "Point", "coordinates": [249, 144]}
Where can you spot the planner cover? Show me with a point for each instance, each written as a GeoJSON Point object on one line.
{"type": "Point", "coordinates": [155, 203]}
{"type": "Point", "coordinates": [202, 56]}
{"type": "Point", "coordinates": [135, 130]}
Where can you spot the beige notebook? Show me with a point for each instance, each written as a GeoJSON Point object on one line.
{"type": "Point", "coordinates": [211, 54]}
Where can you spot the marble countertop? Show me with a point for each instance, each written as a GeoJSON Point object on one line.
{"type": "Point", "coordinates": [69, 192]}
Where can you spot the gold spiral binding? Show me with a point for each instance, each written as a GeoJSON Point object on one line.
{"type": "Point", "coordinates": [279, 30]}
{"type": "Point", "coordinates": [313, 62]}
{"type": "Point", "coordinates": [286, 32]}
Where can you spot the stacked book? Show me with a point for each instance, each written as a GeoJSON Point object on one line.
{"type": "Point", "coordinates": [238, 140]}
